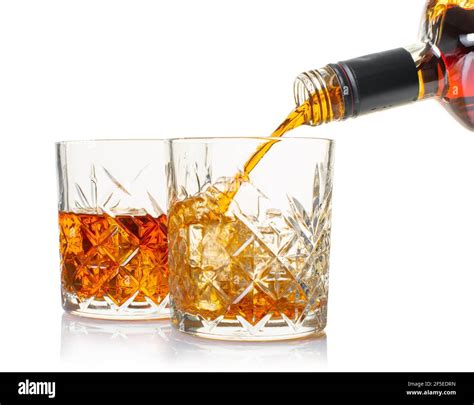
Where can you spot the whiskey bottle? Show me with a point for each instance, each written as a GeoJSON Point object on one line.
{"type": "Point", "coordinates": [440, 65]}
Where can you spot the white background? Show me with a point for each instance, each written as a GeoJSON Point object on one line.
{"type": "Point", "coordinates": [401, 284]}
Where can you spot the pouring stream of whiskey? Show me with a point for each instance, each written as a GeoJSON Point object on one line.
{"type": "Point", "coordinates": [296, 118]}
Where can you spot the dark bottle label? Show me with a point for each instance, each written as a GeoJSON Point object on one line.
{"type": "Point", "coordinates": [377, 81]}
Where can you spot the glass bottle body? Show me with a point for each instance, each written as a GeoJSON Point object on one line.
{"type": "Point", "coordinates": [440, 66]}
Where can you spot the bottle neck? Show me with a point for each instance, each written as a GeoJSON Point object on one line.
{"type": "Point", "coordinates": [320, 94]}
{"type": "Point", "coordinates": [370, 83]}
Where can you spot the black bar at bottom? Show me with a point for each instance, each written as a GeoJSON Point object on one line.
{"type": "Point", "coordinates": [91, 388]}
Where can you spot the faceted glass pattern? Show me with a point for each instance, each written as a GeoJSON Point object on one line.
{"type": "Point", "coordinates": [113, 232]}
{"type": "Point", "coordinates": [249, 274]}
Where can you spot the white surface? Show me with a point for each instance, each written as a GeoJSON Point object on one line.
{"type": "Point", "coordinates": [402, 262]}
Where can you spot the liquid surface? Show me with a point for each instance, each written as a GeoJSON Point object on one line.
{"type": "Point", "coordinates": [118, 258]}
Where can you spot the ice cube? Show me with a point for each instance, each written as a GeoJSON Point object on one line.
{"type": "Point", "coordinates": [214, 254]}
{"type": "Point", "coordinates": [195, 245]}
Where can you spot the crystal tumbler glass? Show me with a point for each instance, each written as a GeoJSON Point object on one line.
{"type": "Point", "coordinates": [113, 228]}
{"type": "Point", "coordinates": [249, 251]}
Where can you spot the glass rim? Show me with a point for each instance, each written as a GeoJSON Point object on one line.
{"type": "Point", "coordinates": [261, 138]}
{"type": "Point", "coordinates": [190, 139]}
{"type": "Point", "coordinates": [92, 141]}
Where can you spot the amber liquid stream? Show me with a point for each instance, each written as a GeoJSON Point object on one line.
{"type": "Point", "coordinates": [296, 118]}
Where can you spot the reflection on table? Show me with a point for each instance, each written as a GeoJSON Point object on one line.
{"type": "Point", "coordinates": [85, 341]}
{"type": "Point", "coordinates": [290, 355]}
{"type": "Point", "coordinates": [155, 345]}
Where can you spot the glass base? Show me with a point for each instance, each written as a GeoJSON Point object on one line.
{"type": "Point", "coordinates": [107, 309]}
{"type": "Point", "coordinates": [240, 330]}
